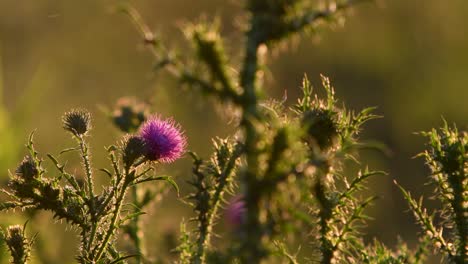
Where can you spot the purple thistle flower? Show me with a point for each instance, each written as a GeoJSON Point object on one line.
{"type": "Point", "coordinates": [235, 212]}
{"type": "Point", "coordinates": [164, 140]}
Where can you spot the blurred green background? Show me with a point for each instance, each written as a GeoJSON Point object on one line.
{"type": "Point", "coordinates": [409, 58]}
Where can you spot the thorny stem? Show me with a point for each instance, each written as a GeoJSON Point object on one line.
{"type": "Point", "coordinates": [356, 215]}
{"type": "Point", "coordinates": [88, 170]}
{"type": "Point", "coordinates": [135, 227]}
{"type": "Point", "coordinates": [202, 242]}
{"type": "Point", "coordinates": [205, 231]}
{"type": "Point", "coordinates": [116, 184]}
{"type": "Point", "coordinates": [459, 208]}
{"type": "Point", "coordinates": [89, 180]}
{"type": "Point", "coordinates": [107, 200]}
{"type": "Point", "coordinates": [112, 226]}
{"type": "Point", "coordinates": [118, 205]}
{"type": "Point", "coordinates": [249, 102]}
{"type": "Point", "coordinates": [175, 67]}
{"type": "Point", "coordinates": [198, 257]}
{"type": "Point", "coordinates": [204, 236]}
{"type": "Point", "coordinates": [325, 215]}
{"type": "Point", "coordinates": [426, 223]}
{"type": "Point", "coordinates": [253, 241]}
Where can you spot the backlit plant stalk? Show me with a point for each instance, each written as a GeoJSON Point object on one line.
{"type": "Point", "coordinates": [98, 217]}
{"type": "Point", "coordinates": [212, 180]}
{"type": "Point", "coordinates": [129, 114]}
{"type": "Point", "coordinates": [291, 162]}
{"type": "Point", "coordinates": [447, 157]}
{"type": "Point", "coordinates": [270, 22]}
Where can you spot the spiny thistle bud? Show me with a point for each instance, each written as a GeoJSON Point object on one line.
{"type": "Point", "coordinates": [17, 244]}
{"type": "Point", "coordinates": [449, 150]}
{"type": "Point", "coordinates": [164, 140]}
{"type": "Point", "coordinates": [133, 148]}
{"type": "Point", "coordinates": [320, 127]}
{"type": "Point", "coordinates": [78, 122]}
{"type": "Point", "coordinates": [129, 114]}
{"type": "Point", "coordinates": [27, 169]}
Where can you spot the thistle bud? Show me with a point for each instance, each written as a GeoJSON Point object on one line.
{"type": "Point", "coordinates": [78, 122]}
{"type": "Point", "coordinates": [129, 114]}
{"type": "Point", "coordinates": [27, 169]}
{"type": "Point", "coordinates": [320, 127]}
{"type": "Point", "coordinates": [451, 155]}
{"type": "Point", "coordinates": [133, 148]}
{"type": "Point", "coordinates": [17, 244]}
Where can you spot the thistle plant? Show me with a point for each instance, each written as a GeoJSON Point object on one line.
{"type": "Point", "coordinates": [304, 149]}
{"type": "Point", "coordinates": [448, 160]}
{"type": "Point", "coordinates": [97, 216]}
{"type": "Point", "coordinates": [212, 181]}
{"type": "Point", "coordinates": [291, 171]}
{"type": "Point", "coordinates": [163, 143]}
{"type": "Point", "coordinates": [269, 136]}
{"type": "Point", "coordinates": [332, 138]}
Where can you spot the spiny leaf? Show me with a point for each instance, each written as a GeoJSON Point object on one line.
{"type": "Point", "coordinates": [107, 172]}
{"type": "Point", "coordinates": [68, 150]}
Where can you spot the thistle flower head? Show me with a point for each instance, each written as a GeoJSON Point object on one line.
{"type": "Point", "coordinates": [129, 114]}
{"type": "Point", "coordinates": [163, 138]}
{"type": "Point", "coordinates": [27, 169]}
{"type": "Point", "coordinates": [78, 122]}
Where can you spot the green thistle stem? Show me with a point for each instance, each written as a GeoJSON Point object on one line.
{"type": "Point", "coordinates": [325, 215]}
{"type": "Point", "coordinates": [135, 227]}
{"type": "Point", "coordinates": [89, 177]}
{"type": "Point", "coordinates": [109, 198]}
{"type": "Point", "coordinates": [206, 228]}
{"type": "Point", "coordinates": [253, 248]}
{"type": "Point", "coordinates": [112, 226]}
{"type": "Point", "coordinates": [89, 180]}
{"type": "Point", "coordinates": [92, 236]}
{"type": "Point", "coordinates": [459, 208]}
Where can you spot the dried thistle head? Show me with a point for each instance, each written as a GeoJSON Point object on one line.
{"type": "Point", "coordinates": [77, 121]}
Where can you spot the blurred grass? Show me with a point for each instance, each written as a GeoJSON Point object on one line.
{"type": "Point", "coordinates": [409, 58]}
{"type": "Point", "coordinates": [7, 149]}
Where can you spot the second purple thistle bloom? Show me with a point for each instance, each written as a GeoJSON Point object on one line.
{"type": "Point", "coordinates": [164, 140]}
